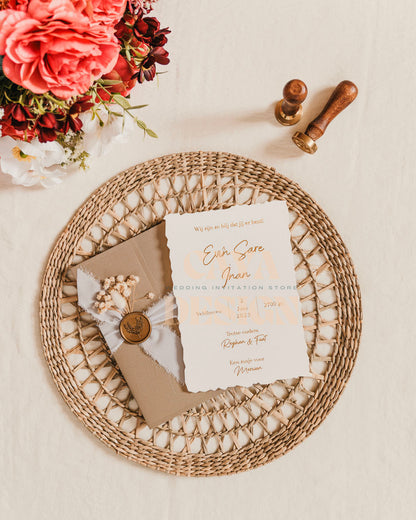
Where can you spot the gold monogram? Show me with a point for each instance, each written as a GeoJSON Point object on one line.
{"type": "Point", "coordinates": [135, 327]}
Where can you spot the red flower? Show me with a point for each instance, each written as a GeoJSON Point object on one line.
{"type": "Point", "coordinates": [17, 115]}
{"type": "Point", "coordinates": [146, 27]}
{"type": "Point", "coordinates": [125, 73]}
{"type": "Point", "coordinates": [82, 105]}
{"type": "Point", "coordinates": [8, 129]}
{"type": "Point", "coordinates": [47, 127]}
{"type": "Point", "coordinates": [124, 28]}
{"type": "Point", "coordinates": [147, 68]}
{"type": "Point", "coordinates": [147, 30]}
{"type": "Point", "coordinates": [144, 39]}
{"type": "Point", "coordinates": [70, 120]}
{"type": "Point", "coordinates": [19, 122]}
{"type": "Point", "coordinates": [16, 122]}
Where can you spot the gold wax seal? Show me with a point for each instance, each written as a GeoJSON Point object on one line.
{"type": "Point", "coordinates": [135, 327]}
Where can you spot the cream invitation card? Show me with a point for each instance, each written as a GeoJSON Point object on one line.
{"type": "Point", "coordinates": [239, 310]}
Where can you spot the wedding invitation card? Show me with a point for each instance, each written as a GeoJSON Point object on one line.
{"type": "Point", "coordinates": [238, 307]}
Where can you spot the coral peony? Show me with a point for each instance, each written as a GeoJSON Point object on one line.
{"type": "Point", "coordinates": [106, 11]}
{"type": "Point", "coordinates": [54, 47]}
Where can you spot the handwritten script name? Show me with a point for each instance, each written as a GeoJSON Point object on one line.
{"type": "Point", "coordinates": [242, 251]}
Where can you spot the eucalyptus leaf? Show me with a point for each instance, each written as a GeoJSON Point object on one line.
{"type": "Point", "coordinates": [108, 82]}
{"type": "Point", "coordinates": [122, 101]}
{"type": "Point", "coordinates": [151, 133]}
{"type": "Point", "coordinates": [137, 107]}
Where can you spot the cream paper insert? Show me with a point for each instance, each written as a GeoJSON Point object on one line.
{"type": "Point", "coordinates": [239, 310]}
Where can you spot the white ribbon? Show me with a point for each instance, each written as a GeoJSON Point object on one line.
{"type": "Point", "coordinates": [163, 345]}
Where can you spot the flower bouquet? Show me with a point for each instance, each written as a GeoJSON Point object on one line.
{"type": "Point", "coordinates": [66, 71]}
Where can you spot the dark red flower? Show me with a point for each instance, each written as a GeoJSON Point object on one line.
{"type": "Point", "coordinates": [8, 129]}
{"type": "Point", "coordinates": [146, 28]}
{"type": "Point", "coordinates": [70, 120]}
{"type": "Point", "coordinates": [147, 72]}
{"type": "Point", "coordinates": [82, 104]}
{"type": "Point", "coordinates": [17, 115]}
{"type": "Point", "coordinates": [148, 31]}
{"type": "Point", "coordinates": [147, 69]}
{"type": "Point", "coordinates": [159, 39]}
{"type": "Point", "coordinates": [124, 28]}
{"type": "Point", "coordinates": [67, 122]}
{"type": "Point", "coordinates": [160, 55]}
{"type": "Point", "coordinates": [47, 127]}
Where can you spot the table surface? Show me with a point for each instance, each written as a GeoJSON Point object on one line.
{"type": "Point", "coordinates": [230, 60]}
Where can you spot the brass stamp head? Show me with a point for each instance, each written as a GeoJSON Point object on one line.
{"type": "Point", "coordinates": [304, 142]}
{"type": "Point", "coordinates": [285, 119]}
{"type": "Point", "coordinates": [135, 327]}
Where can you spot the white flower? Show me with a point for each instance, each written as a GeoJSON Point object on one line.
{"type": "Point", "coordinates": [97, 137]}
{"type": "Point", "coordinates": [32, 163]}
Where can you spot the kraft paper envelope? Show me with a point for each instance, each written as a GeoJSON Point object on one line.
{"type": "Point", "coordinates": [159, 395]}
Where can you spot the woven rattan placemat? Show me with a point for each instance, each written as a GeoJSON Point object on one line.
{"type": "Point", "coordinates": [244, 427]}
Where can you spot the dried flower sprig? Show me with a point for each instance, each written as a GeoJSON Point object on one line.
{"type": "Point", "coordinates": [116, 294]}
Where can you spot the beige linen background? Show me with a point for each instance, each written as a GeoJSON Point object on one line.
{"type": "Point", "coordinates": [230, 60]}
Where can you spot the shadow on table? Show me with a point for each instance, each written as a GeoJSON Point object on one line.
{"type": "Point", "coordinates": [6, 184]}
{"type": "Point", "coordinates": [280, 144]}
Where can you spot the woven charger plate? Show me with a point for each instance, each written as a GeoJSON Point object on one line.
{"type": "Point", "coordinates": [244, 427]}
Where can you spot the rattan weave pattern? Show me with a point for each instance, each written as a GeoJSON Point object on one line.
{"type": "Point", "coordinates": [244, 427]}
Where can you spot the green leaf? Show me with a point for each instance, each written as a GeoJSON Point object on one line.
{"type": "Point", "coordinates": [108, 82]}
{"type": "Point", "coordinates": [137, 107]}
{"type": "Point", "coordinates": [151, 133]}
{"type": "Point", "coordinates": [141, 124]}
{"type": "Point", "coordinates": [122, 101]}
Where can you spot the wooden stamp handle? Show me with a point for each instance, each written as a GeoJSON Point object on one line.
{"type": "Point", "coordinates": [343, 95]}
{"type": "Point", "coordinates": [294, 94]}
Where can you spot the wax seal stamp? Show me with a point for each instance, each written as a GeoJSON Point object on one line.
{"type": "Point", "coordinates": [135, 327]}
{"type": "Point", "coordinates": [343, 95]}
{"type": "Point", "coordinates": [288, 110]}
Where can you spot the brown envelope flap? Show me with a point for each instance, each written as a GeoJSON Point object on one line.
{"type": "Point", "coordinates": [159, 395]}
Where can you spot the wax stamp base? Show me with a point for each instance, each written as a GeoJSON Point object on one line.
{"type": "Point", "coordinates": [135, 327]}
